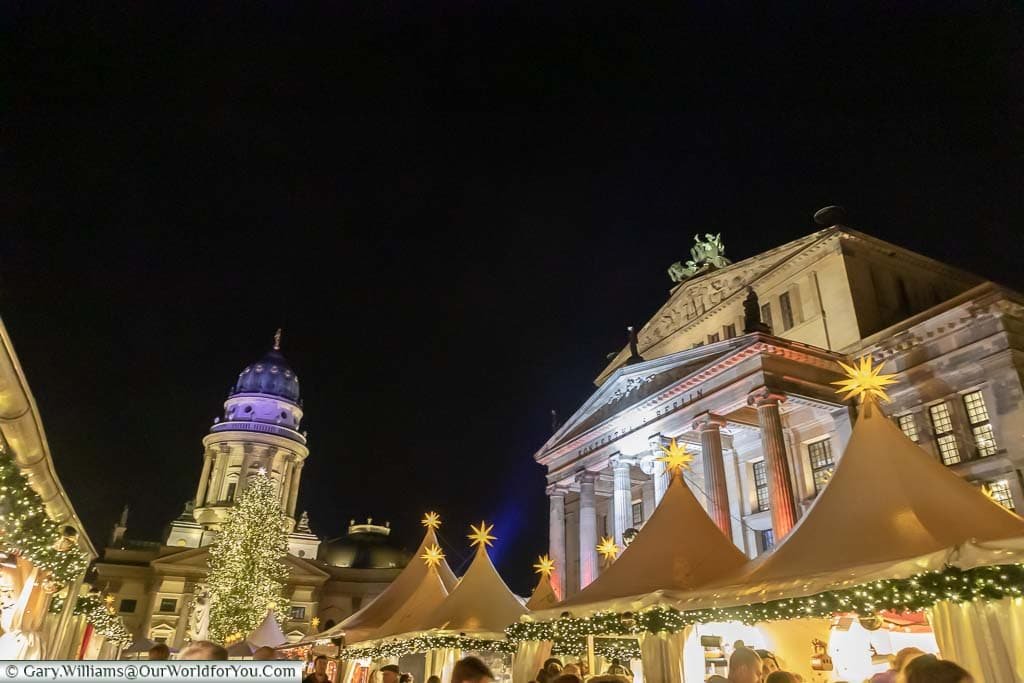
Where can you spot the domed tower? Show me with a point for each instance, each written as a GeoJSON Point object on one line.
{"type": "Point", "coordinates": [259, 431]}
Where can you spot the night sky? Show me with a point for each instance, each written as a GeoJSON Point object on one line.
{"type": "Point", "coordinates": [452, 208]}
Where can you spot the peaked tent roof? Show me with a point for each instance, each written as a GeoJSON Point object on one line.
{"type": "Point", "coordinates": [427, 597]}
{"type": "Point", "coordinates": [888, 502]}
{"type": "Point", "coordinates": [363, 623]}
{"type": "Point", "coordinates": [481, 604]}
{"type": "Point", "coordinates": [543, 595]}
{"type": "Point", "coordinates": [678, 549]}
{"type": "Point", "coordinates": [268, 633]}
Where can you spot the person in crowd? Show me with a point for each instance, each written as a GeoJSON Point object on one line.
{"type": "Point", "coordinates": [572, 670]}
{"type": "Point", "coordinates": [159, 652]}
{"type": "Point", "coordinates": [715, 678]}
{"type": "Point", "coordinates": [744, 666]}
{"type": "Point", "coordinates": [769, 663]}
{"type": "Point", "coordinates": [931, 669]}
{"type": "Point", "coordinates": [264, 653]}
{"type": "Point", "coordinates": [319, 674]}
{"type": "Point", "coordinates": [780, 677]}
{"type": "Point", "coordinates": [204, 650]}
{"type": "Point", "coordinates": [471, 670]}
{"type": "Point", "coordinates": [406, 678]}
{"type": "Point", "coordinates": [896, 665]}
{"type": "Point", "coordinates": [434, 679]}
{"type": "Point", "coordinates": [390, 673]}
{"type": "Point", "coordinates": [550, 671]}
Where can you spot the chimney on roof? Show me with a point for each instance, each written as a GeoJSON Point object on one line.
{"type": "Point", "coordinates": [830, 215]}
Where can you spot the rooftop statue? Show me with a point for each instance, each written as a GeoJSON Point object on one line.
{"type": "Point", "coordinates": [708, 254]}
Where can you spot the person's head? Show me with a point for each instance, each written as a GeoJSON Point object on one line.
{"type": "Point", "coordinates": [568, 678]}
{"type": "Point", "coordinates": [768, 662]}
{"type": "Point", "coordinates": [904, 657]}
{"type": "Point", "coordinates": [434, 679]}
{"type": "Point", "coordinates": [319, 665]}
{"type": "Point", "coordinates": [389, 673]}
{"type": "Point", "coordinates": [405, 678]}
{"type": "Point", "coordinates": [159, 651]}
{"type": "Point", "coordinates": [552, 665]}
{"type": "Point", "coordinates": [571, 669]}
{"type": "Point", "coordinates": [930, 669]}
{"type": "Point", "coordinates": [780, 677]}
{"type": "Point", "coordinates": [744, 666]}
{"type": "Point", "coordinates": [471, 670]}
{"type": "Point", "coordinates": [204, 650]}
{"type": "Point", "coordinates": [264, 653]}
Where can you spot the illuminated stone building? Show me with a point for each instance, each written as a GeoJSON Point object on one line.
{"type": "Point", "coordinates": [738, 366]}
{"type": "Point", "coordinates": [154, 581]}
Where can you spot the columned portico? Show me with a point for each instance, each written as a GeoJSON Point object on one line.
{"type": "Point", "coordinates": [709, 426]}
{"type": "Point", "coordinates": [588, 528]}
{"type": "Point", "coordinates": [773, 444]}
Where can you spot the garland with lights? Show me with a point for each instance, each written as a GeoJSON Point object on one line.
{"type": "Point", "coordinates": [898, 595]}
{"type": "Point", "coordinates": [26, 529]}
{"type": "Point", "coordinates": [623, 649]}
{"type": "Point", "coordinates": [103, 619]}
{"type": "Point", "coordinates": [247, 571]}
{"type": "Point", "coordinates": [399, 648]}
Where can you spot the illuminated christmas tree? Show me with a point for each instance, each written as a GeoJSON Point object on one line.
{"type": "Point", "coordinates": [247, 572]}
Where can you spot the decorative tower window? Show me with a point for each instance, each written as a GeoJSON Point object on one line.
{"type": "Point", "coordinates": [981, 428]}
{"type": "Point", "coordinates": [822, 465]}
{"type": "Point", "coordinates": [942, 425]}
{"type": "Point", "coordinates": [908, 425]}
{"type": "Point", "coordinates": [761, 485]}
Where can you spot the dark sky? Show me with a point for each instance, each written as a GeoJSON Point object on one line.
{"type": "Point", "coordinates": [453, 209]}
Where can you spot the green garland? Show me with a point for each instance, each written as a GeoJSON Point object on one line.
{"type": "Point", "coordinates": [899, 595]}
{"type": "Point", "coordinates": [105, 622]}
{"type": "Point", "coordinates": [623, 649]}
{"type": "Point", "coordinates": [26, 529]}
{"type": "Point", "coordinates": [399, 648]}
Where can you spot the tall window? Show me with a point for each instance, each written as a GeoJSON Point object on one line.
{"type": "Point", "coordinates": [638, 514]}
{"type": "Point", "coordinates": [712, 338]}
{"type": "Point", "coordinates": [298, 612]}
{"type": "Point", "coordinates": [942, 425]}
{"type": "Point", "coordinates": [908, 425]}
{"type": "Point", "coordinates": [822, 466]}
{"type": "Point", "coordinates": [766, 314]}
{"type": "Point", "coordinates": [786, 307]}
{"type": "Point", "coordinates": [761, 485]}
{"type": "Point", "coordinates": [127, 605]}
{"type": "Point", "coordinates": [999, 491]}
{"type": "Point", "coordinates": [767, 540]}
{"type": "Point", "coordinates": [981, 428]}
{"type": "Point", "coordinates": [729, 331]}
{"type": "Point", "coordinates": [168, 604]}
{"type": "Point", "coordinates": [231, 490]}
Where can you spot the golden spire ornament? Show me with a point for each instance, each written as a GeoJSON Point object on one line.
{"type": "Point", "coordinates": [545, 565]}
{"type": "Point", "coordinates": [677, 459]}
{"type": "Point", "coordinates": [481, 535]}
{"type": "Point", "coordinates": [431, 520]}
{"type": "Point", "coordinates": [864, 380]}
{"type": "Point", "coordinates": [432, 556]}
{"type": "Point", "coordinates": [608, 549]}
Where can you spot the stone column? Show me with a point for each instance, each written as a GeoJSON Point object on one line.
{"type": "Point", "coordinates": [286, 480]}
{"type": "Point", "coordinates": [773, 444]}
{"type": "Point", "coordinates": [622, 497]}
{"type": "Point", "coordinates": [293, 488]}
{"type": "Point", "coordinates": [556, 538]}
{"type": "Point", "coordinates": [588, 528]}
{"type": "Point", "coordinates": [709, 426]}
{"type": "Point", "coordinates": [660, 475]}
{"type": "Point", "coordinates": [204, 479]}
{"type": "Point", "coordinates": [243, 471]}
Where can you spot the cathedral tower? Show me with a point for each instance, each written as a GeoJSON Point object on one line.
{"type": "Point", "coordinates": [259, 431]}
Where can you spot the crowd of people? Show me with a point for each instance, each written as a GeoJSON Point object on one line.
{"type": "Point", "coordinates": [746, 665]}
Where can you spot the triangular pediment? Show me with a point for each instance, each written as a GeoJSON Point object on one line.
{"type": "Point", "coordinates": [194, 561]}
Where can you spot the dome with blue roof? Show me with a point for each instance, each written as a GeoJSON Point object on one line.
{"type": "Point", "coordinates": [270, 375]}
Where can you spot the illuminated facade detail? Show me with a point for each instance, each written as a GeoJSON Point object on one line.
{"type": "Point", "coordinates": [827, 298]}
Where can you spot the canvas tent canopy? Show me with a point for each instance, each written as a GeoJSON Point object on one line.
{"type": "Point", "coordinates": [543, 596]}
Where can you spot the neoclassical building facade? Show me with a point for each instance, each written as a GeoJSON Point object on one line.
{"type": "Point", "coordinates": [154, 582]}
{"type": "Point", "coordinates": [738, 365]}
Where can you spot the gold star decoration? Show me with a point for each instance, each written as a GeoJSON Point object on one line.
{"type": "Point", "coordinates": [431, 520]}
{"type": "Point", "coordinates": [545, 565]}
{"type": "Point", "coordinates": [433, 555]}
{"type": "Point", "coordinates": [677, 459]}
{"type": "Point", "coordinates": [607, 548]}
{"type": "Point", "coordinates": [864, 380]}
{"type": "Point", "coordinates": [481, 535]}
{"type": "Point", "coordinates": [314, 622]}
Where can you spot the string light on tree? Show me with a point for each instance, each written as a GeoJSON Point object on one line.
{"type": "Point", "coordinates": [545, 566]}
{"type": "Point", "coordinates": [432, 556]}
{"type": "Point", "coordinates": [864, 380]}
{"type": "Point", "coordinates": [431, 520]}
{"type": "Point", "coordinates": [481, 535]}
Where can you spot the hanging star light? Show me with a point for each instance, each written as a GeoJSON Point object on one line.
{"type": "Point", "coordinates": [314, 622]}
{"type": "Point", "coordinates": [677, 459]}
{"type": "Point", "coordinates": [432, 556]}
{"type": "Point", "coordinates": [864, 380]}
{"type": "Point", "coordinates": [431, 520]}
{"type": "Point", "coordinates": [607, 548]}
{"type": "Point", "coordinates": [481, 535]}
{"type": "Point", "coordinates": [545, 565]}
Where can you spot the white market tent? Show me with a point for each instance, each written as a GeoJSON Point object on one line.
{"type": "Point", "coordinates": [427, 597]}
{"type": "Point", "coordinates": [268, 633]}
{"type": "Point", "coordinates": [543, 596]}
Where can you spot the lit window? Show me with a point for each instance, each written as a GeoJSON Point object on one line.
{"type": "Point", "coordinates": [638, 514]}
{"type": "Point", "coordinates": [786, 307]}
{"type": "Point", "coordinates": [822, 466]}
{"type": "Point", "coordinates": [766, 314]}
{"type": "Point", "coordinates": [168, 604]}
{"type": "Point", "coordinates": [999, 491]}
{"type": "Point", "coordinates": [942, 425]}
{"type": "Point", "coordinates": [127, 606]}
{"type": "Point", "coordinates": [767, 540]}
{"type": "Point", "coordinates": [298, 612]}
{"type": "Point", "coordinates": [729, 331]}
{"type": "Point", "coordinates": [761, 485]}
{"type": "Point", "coordinates": [981, 428]}
{"type": "Point", "coordinates": [712, 338]}
{"type": "Point", "coordinates": [908, 425]}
